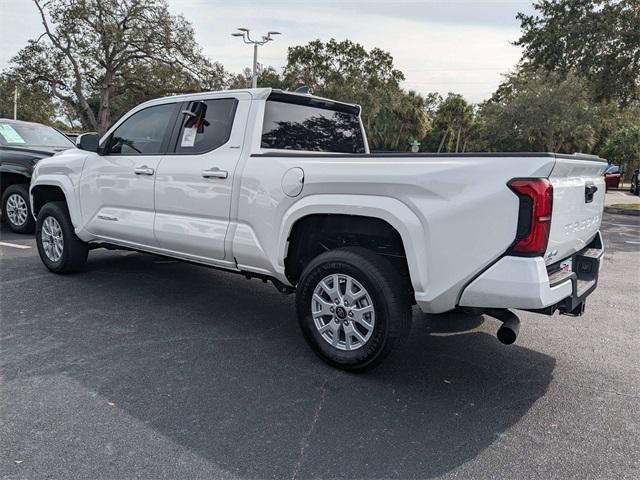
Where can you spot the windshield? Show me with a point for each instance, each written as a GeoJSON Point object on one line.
{"type": "Point", "coordinates": [32, 135]}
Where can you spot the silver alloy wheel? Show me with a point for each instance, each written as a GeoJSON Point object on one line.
{"type": "Point", "coordinates": [52, 239]}
{"type": "Point", "coordinates": [343, 312]}
{"type": "Point", "coordinates": [17, 209]}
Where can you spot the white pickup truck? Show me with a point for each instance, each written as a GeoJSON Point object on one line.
{"type": "Point", "coordinates": [282, 187]}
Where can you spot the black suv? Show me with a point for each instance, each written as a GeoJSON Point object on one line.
{"type": "Point", "coordinates": [22, 144]}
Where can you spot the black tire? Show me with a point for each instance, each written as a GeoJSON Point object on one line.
{"type": "Point", "coordinates": [391, 303]}
{"type": "Point", "coordinates": [22, 191]}
{"type": "Point", "coordinates": [74, 251]}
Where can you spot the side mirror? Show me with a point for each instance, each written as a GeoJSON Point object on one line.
{"type": "Point", "coordinates": [88, 141]}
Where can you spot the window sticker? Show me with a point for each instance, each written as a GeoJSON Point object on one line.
{"type": "Point", "coordinates": [189, 137]}
{"type": "Point", "coordinates": [9, 134]}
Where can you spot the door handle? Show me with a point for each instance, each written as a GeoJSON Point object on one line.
{"type": "Point", "coordinates": [143, 170]}
{"type": "Point", "coordinates": [215, 172]}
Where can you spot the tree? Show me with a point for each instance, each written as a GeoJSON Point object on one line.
{"type": "Point", "coordinates": [539, 112]}
{"type": "Point", "coordinates": [267, 77]}
{"type": "Point", "coordinates": [401, 119]}
{"type": "Point", "coordinates": [101, 57]}
{"type": "Point", "coordinates": [452, 118]}
{"type": "Point", "coordinates": [346, 71]}
{"type": "Point", "coordinates": [34, 102]}
{"type": "Point", "coordinates": [623, 148]}
{"type": "Point", "coordinates": [596, 39]}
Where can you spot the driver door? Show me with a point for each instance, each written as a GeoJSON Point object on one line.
{"type": "Point", "coordinates": [117, 187]}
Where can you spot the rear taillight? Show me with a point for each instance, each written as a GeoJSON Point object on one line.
{"type": "Point", "coordinates": [534, 219]}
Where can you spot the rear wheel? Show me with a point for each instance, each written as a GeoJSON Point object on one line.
{"type": "Point", "coordinates": [60, 249]}
{"type": "Point", "coordinates": [16, 210]}
{"type": "Point", "coordinates": [353, 308]}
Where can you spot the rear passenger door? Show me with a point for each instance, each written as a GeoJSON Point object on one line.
{"type": "Point", "coordinates": [194, 180]}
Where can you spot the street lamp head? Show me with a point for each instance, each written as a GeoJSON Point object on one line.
{"type": "Point", "coordinates": [273, 33]}
{"type": "Point", "coordinates": [243, 29]}
{"type": "Point", "coordinates": [237, 34]}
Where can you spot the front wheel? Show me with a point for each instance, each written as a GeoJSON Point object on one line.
{"type": "Point", "coordinates": [353, 307]}
{"type": "Point", "coordinates": [60, 249]}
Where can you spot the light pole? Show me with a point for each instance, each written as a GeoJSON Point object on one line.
{"type": "Point", "coordinates": [244, 33]}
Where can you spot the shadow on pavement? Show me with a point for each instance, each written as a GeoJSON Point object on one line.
{"type": "Point", "coordinates": [217, 364]}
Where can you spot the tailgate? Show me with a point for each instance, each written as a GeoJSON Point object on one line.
{"type": "Point", "coordinates": [578, 202]}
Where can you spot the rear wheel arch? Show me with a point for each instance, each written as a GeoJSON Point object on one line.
{"type": "Point", "coordinates": [314, 234]}
{"type": "Point", "coordinates": [412, 229]}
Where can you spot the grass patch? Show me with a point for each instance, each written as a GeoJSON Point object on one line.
{"type": "Point", "coordinates": [627, 206]}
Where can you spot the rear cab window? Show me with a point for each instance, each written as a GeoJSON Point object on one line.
{"type": "Point", "coordinates": [305, 123]}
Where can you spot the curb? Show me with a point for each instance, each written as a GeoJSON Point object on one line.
{"type": "Point", "coordinates": [622, 211]}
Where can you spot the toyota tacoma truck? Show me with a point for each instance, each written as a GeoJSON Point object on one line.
{"type": "Point", "coordinates": [281, 187]}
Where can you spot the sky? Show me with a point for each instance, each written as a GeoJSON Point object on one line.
{"type": "Point", "coordinates": [443, 46]}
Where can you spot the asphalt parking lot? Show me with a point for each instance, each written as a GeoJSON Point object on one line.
{"type": "Point", "coordinates": [142, 367]}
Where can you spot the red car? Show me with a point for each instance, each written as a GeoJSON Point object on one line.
{"type": "Point", "coordinates": [612, 176]}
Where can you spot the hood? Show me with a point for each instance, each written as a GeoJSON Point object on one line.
{"type": "Point", "coordinates": [35, 152]}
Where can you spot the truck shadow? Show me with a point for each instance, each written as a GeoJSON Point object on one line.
{"type": "Point", "coordinates": [218, 366]}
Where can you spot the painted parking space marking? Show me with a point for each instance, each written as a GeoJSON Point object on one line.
{"type": "Point", "coordinates": [14, 245]}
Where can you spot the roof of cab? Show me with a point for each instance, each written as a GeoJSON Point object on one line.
{"type": "Point", "coordinates": [262, 94]}
{"type": "Point", "coordinates": [18, 122]}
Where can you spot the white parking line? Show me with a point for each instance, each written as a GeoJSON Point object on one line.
{"type": "Point", "coordinates": [14, 245]}
{"type": "Point", "coordinates": [632, 241]}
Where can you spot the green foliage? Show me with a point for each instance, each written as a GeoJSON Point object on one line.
{"type": "Point", "coordinates": [101, 57]}
{"type": "Point", "coordinates": [34, 102]}
{"type": "Point", "coordinates": [623, 148]}
{"type": "Point", "coordinates": [346, 71]}
{"type": "Point", "coordinates": [539, 112]}
{"type": "Point", "coordinates": [401, 119]}
{"type": "Point", "coordinates": [267, 77]}
{"type": "Point", "coordinates": [595, 39]}
{"type": "Point", "coordinates": [576, 89]}
{"type": "Point", "coordinates": [452, 120]}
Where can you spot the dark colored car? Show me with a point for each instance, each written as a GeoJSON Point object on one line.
{"type": "Point", "coordinates": [612, 176]}
{"type": "Point", "coordinates": [635, 183]}
{"type": "Point", "coordinates": [22, 144]}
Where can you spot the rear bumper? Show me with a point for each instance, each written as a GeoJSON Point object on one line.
{"type": "Point", "coordinates": [528, 284]}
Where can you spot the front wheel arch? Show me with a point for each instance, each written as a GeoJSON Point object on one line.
{"type": "Point", "coordinates": [43, 194]}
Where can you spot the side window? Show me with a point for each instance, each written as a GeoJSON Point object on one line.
{"type": "Point", "coordinates": [143, 132]}
{"type": "Point", "coordinates": [206, 125]}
